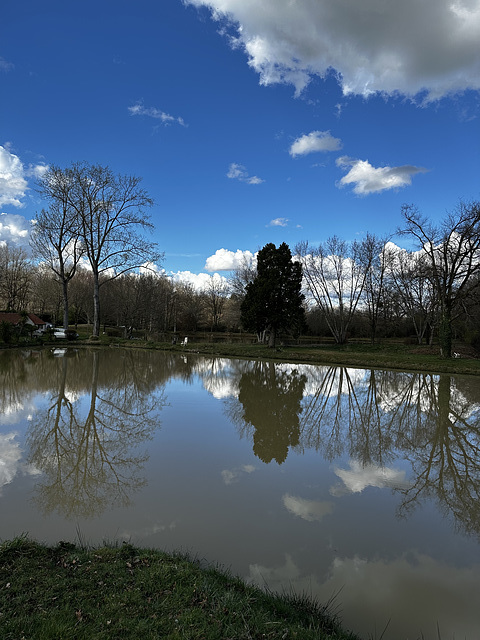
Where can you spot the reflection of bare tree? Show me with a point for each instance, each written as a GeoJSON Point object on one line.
{"type": "Point", "coordinates": [269, 401]}
{"type": "Point", "coordinates": [423, 417]}
{"type": "Point", "coordinates": [90, 460]}
{"type": "Point", "coordinates": [15, 370]}
{"type": "Point", "coordinates": [446, 461]}
{"type": "Point", "coordinates": [344, 415]}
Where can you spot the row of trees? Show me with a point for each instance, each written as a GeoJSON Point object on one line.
{"type": "Point", "coordinates": [146, 301]}
{"type": "Point", "coordinates": [433, 286]}
{"type": "Point", "coordinates": [369, 287]}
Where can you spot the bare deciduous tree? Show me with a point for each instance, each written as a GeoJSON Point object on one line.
{"type": "Point", "coordinates": [453, 252]}
{"type": "Point", "coordinates": [335, 277]}
{"type": "Point", "coordinates": [109, 213]}
{"type": "Point", "coordinates": [215, 296]}
{"type": "Point", "coordinates": [15, 278]}
{"type": "Point", "coordinates": [56, 234]}
{"type": "Point", "coordinates": [410, 279]}
{"type": "Point", "coordinates": [374, 259]}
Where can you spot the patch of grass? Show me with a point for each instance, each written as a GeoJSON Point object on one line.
{"type": "Point", "coordinates": [70, 592]}
{"type": "Point", "coordinates": [387, 356]}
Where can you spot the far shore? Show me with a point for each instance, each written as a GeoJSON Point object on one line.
{"type": "Point", "coordinates": [386, 354]}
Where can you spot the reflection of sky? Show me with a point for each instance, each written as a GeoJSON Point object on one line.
{"type": "Point", "coordinates": [221, 388]}
{"type": "Point", "coordinates": [141, 534]}
{"type": "Point", "coordinates": [315, 378]}
{"type": "Point", "coordinates": [359, 476]}
{"type": "Point", "coordinates": [230, 476]}
{"type": "Point", "coordinates": [221, 377]}
{"type": "Point", "coordinates": [73, 395]}
{"type": "Point", "coordinates": [11, 459]}
{"type": "Point", "coordinates": [13, 412]}
{"type": "Point", "coordinates": [283, 526]}
{"type": "Point", "coordinates": [309, 510]}
{"type": "Point", "coordinates": [414, 591]}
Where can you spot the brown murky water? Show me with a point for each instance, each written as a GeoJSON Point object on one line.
{"type": "Point", "coordinates": [352, 483]}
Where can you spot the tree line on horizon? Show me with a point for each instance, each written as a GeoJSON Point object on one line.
{"type": "Point", "coordinates": [366, 288]}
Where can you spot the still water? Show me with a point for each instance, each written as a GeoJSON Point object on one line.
{"type": "Point", "coordinates": [349, 483]}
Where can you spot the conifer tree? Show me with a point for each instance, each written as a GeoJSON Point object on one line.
{"type": "Point", "coordinates": [273, 300]}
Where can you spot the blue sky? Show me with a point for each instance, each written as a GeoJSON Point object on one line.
{"type": "Point", "coordinates": [250, 121]}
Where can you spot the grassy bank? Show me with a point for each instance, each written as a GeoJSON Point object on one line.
{"type": "Point", "coordinates": [68, 592]}
{"type": "Point", "coordinates": [387, 355]}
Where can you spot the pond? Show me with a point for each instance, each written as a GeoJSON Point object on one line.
{"type": "Point", "coordinates": [360, 486]}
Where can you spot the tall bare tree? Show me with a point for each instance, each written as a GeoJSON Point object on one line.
{"type": "Point", "coordinates": [335, 276]}
{"type": "Point", "coordinates": [109, 212]}
{"type": "Point", "coordinates": [453, 252]}
{"type": "Point", "coordinates": [215, 295]}
{"type": "Point", "coordinates": [410, 280]}
{"type": "Point", "coordinates": [243, 275]}
{"type": "Point", "coordinates": [374, 258]}
{"type": "Point", "coordinates": [56, 234]}
{"type": "Point", "coordinates": [15, 278]}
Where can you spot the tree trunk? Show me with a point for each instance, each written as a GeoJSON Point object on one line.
{"type": "Point", "coordinates": [272, 337]}
{"type": "Point", "coordinates": [445, 334]}
{"type": "Point", "coordinates": [65, 304]}
{"type": "Point", "coordinates": [96, 306]}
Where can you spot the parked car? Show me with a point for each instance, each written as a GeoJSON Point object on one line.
{"type": "Point", "coordinates": [68, 334]}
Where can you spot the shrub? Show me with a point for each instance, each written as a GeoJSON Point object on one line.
{"type": "Point", "coordinates": [6, 332]}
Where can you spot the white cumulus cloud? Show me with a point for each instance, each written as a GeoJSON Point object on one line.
{"type": "Point", "coordinates": [151, 269]}
{"type": "Point", "coordinates": [278, 222]}
{"type": "Point", "coordinates": [239, 172]}
{"type": "Point", "coordinates": [315, 141]}
{"type": "Point", "coordinates": [368, 179]}
{"type": "Point", "coordinates": [14, 229]}
{"type": "Point", "coordinates": [225, 260]}
{"type": "Point", "coordinates": [370, 46]}
{"type": "Point", "coordinates": [13, 190]}
{"type": "Point", "coordinates": [13, 184]}
{"type": "Point", "coordinates": [199, 280]}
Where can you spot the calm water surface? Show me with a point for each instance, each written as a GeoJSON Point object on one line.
{"type": "Point", "coordinates": [318, 479]}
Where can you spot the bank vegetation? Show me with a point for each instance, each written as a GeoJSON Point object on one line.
{"type": "Point", "coordinates": [75, 592]}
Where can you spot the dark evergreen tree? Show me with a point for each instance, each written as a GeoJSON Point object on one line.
{"type": "Point", "coordinates": [273, 300]}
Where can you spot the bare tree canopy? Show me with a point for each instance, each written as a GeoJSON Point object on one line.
{"type": "Point", "coordinates": [335, 273]}
{"type": "Point", "coordinates": [106, 213]}
{"type": "Point", "coordinates": [56, 237]}
{"type": "Point", "coordinates": [453, 254]}
{"type": "Point", "coordinates": [15, 278]}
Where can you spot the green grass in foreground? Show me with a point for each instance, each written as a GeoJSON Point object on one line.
{"type": "Point", "coordinates": [69, 592]}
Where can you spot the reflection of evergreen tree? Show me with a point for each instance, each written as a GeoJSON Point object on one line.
{"type": "Point", "coordinates": [89, 459]}
{"type": "Point", "coordinates": [271, 404]}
